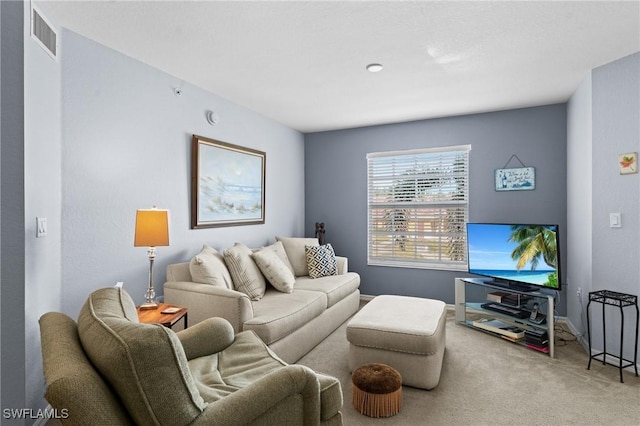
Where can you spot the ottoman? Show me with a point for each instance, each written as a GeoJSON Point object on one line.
{"type": "Point", "coordinates": [406, 333]}
{"type": "Point", "coordinates": [377, 390]}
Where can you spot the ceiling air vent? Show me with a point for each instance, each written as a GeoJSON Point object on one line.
{"type": "Point", "coordinates": [43, 33]}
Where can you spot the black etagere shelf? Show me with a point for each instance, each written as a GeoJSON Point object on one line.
{"type": "Point", "coordinates": [621, 301]}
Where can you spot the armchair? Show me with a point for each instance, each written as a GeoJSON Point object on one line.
{"type": "Point", "coordinates": [110, 369]}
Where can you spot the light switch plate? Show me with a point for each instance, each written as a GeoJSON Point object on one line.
{"type": "Point", "coordinates": [41, 224]}
{"type": "Point", "coordinates": [614, 220]}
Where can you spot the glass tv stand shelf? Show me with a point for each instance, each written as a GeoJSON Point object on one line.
{"type": "Point", "coordinates": [472, 293]}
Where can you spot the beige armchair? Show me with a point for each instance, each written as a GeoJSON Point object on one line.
{"type": "Point", "coordinates": [109, 369]}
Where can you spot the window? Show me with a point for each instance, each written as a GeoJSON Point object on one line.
{"type": "Point", "coordinates": [418, 207]}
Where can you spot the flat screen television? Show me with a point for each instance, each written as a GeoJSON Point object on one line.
{"type": "Point", "coordinates": [524, 257]}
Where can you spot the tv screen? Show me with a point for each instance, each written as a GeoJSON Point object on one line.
{"type": "Point", "coordinates": [521, 256]}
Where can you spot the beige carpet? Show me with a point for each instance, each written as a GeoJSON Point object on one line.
{"type": "Point", "coordinates": [488, 381]}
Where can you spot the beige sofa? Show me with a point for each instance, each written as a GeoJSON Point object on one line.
{"type": "Point", "coordinates": [109, 369]}
{"type": "Point", "coordinates": [291, 314]}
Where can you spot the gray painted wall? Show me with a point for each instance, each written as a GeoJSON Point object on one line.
{"type": "Point", "coordinates": [43, 198]}
{"type": "Point", "coordinates": [336, 184]}
{"type": "Point", "coordinates": [579, 202]}
{"type": "Point", "coordinates": [127, 145]}
{"type": "Point", "coordinates": [616, 130]}
{"type": "Point", "coordinates": [12, 243]}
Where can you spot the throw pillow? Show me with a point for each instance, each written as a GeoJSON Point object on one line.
{"type": "Point", "coordinates": [245, 274]}
{"type": "Point", "coordinates": [274, 270]}
{"type": "Point", "coordinates": [208, 267]}
{"type": "Point", "coordinates": [278, 249]}
{"type": "Point", "coordinates": [321, 261]}
{"type": "Point", "coordinates": [295, 249]}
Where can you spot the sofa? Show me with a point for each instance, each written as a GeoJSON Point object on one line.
{"type": "Point", "coordinates": [109, 369]}
{"type": "Point", "coordinates": [292, 293]}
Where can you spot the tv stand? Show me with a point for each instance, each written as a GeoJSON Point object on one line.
{"type": "Point", "coordinates": [512, 285]}
{"type": "Point", "coordinates": [463, 307]}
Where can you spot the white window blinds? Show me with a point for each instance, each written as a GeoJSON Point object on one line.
{"type": "Point", "coordinates": [418, 207]}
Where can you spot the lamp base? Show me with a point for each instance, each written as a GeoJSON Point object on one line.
{"type": "Point", "coordinates": [148, 305]}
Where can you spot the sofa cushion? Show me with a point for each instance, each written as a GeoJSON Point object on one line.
{"type": "Point", "coordinates": [208, 267]}
{"type": "Point", "coordinates": [336, 287]}
{"type": "Point", "coordinates": [138, 360]}
{"type": "Point", "coordinates": [274, 269]}
{"type": "Point", "coordinates": [179, 272]}
{"type": "Point", "coordinates": [321, 261]}
{"type": "Point", "coordinates": [331, 398]}
{"type": "Point", "coordinates": [242, 363]}
{"type": "Point", "coordinates": [294, 247]}
{"type": "Point", "coordinates": [278, 314]}
{"type": "Point", "coordinates": [246, 275]}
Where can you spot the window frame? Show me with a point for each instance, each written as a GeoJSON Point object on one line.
{"type": "Point", "coordinates": [428, 181]}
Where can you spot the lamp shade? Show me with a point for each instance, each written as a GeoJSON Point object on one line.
{"type": "Point", "coordinates": [152, 228]}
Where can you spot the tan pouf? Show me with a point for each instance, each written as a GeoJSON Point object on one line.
{"type": "Point", "coordinates": [377, 390]}
{"type": "Point", "coordinates": [406, 333]}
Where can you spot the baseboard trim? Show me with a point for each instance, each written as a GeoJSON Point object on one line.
{"type": "Point", "coordinates": [366, 298]}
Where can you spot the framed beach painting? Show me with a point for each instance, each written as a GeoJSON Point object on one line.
{"type": "Point", "coordinates": [227, 184]}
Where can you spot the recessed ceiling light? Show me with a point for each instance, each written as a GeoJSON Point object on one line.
{"type": "Point", "coordinates": [374, 67]}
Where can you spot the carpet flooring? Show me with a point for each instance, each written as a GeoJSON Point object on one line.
{"type": "Point", "coordinates": [488, 381]}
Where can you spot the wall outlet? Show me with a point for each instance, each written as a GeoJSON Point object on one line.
{"type": "Point", "coordinates": [579, 293]}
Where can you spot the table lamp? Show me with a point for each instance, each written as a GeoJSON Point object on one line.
{"type": "Point", "coordinates": [152, 230]}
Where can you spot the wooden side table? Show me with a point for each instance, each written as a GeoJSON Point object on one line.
{"type": "Point", "coordinates": [156, 316]}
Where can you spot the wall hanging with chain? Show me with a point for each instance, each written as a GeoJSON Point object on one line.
{"type": "Point", "coordinates": [515, 179]}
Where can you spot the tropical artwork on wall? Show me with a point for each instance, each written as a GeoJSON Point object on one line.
{"type": "Point", "coordinates": [628, 163]}
{"type": "Point", "coordinates": [227, 184]}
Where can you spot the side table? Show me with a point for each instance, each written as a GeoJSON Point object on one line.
{"type": "Point", "coordinates": [621, 300]}
{"type": "Point", "coordinates": [156, 316]}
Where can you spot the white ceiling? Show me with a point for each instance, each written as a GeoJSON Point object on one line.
{"type": "Point", "coordinates": [302, 63]}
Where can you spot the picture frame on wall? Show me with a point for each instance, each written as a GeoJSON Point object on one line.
{"type": "Point", "coordinates": [628, 163]}
{"type": "Point", "coordinates": [227, 184]}
{"type": "Point", "coordinates": [517, 179]}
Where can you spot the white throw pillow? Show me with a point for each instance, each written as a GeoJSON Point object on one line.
{"type": "Point", "coordinates": [294, 247]}
{"type": "Point", "coordinates": [274, 269]}
{"type": "Point", "coordinates": [246, 275]}
{"type": "Point", "coordinates": [321, 261]}
{"type": "Point", "coordinates": [208, 267]}
{"type": "Point", "coordinates": [278, 249]}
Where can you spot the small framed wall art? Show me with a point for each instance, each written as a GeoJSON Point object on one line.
{"type": "Point", "coordinates": [628, 163]}
{"type": "Point", "coordinates": [521, 179]}
{"type": "Point", "coordinates": [227, 184]}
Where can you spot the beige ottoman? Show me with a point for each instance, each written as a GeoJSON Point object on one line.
{"type": "Point", "coordinates": [406, 333]}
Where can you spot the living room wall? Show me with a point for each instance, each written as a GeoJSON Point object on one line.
{"type": "Point", "coordinates": [43, 198]}
{"type": "Point", "coordinates": [616, 130]}
{"type": "Point", "coordinates": [336, 184]}
{"type": "Point", "coordinates": [12, 242]}
{"type": "Point", "coordinates": [127, 145]}
{"type": "Point", "coordinates": [579, 205]}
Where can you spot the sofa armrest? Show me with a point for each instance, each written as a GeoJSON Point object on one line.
{"type": "Point", "coordinates": [249, 404]}
{"type": "Point", "coordinates": [207, 337]}
{"type": "Point", "coordinates": [343, 264]}
{"type": "Point", "coordinates": [206, 301]}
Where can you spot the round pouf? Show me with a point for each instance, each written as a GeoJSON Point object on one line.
{"type": "Point", "coordinates": [377, 390]}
